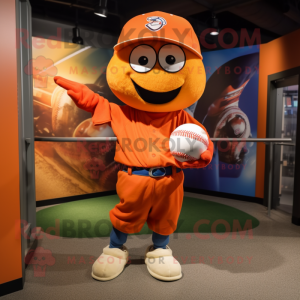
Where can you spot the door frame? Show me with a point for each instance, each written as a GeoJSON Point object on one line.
{"type": "Point", "coordinates": [26, 132]}
{"type": "Point", "coordinates": [272, 112]}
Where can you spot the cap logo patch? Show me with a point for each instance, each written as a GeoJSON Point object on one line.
{"type": "Point", "coordinates": [155, 23]}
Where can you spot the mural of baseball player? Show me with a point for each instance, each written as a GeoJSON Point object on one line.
{"type": "Point", "coordinates": [219, 108]}
{"type": "Point", "coordinates": [156, 76]}
{"type": "Point", "coordinates": [228, 109]}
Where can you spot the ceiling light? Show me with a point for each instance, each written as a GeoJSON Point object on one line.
{"type": "Point", "coordinates": [77, 39]}
{"type": "Point", "coordinates": [214, 24]}
{"type": "Point", "coordinates": [76, 32]}
{"type": "Point", "coordinates": [101, 10]}
{"type": "Point", "coordinates": [214, 31]}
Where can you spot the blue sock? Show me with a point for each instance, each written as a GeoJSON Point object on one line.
{"type": "Point", "coordinates": [117, 238]}
{"type": "Point", "coordinates": [160, 241]}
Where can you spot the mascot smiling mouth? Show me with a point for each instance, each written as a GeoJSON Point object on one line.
{"type": "Point", "coordinates": [156, 97]}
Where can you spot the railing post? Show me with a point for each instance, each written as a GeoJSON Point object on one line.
{"type": "Point", "coordinates": [270, 178]}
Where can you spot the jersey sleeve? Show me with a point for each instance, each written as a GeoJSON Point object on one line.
{"type": "Point", "coordinates": [103, 112]}
{"type": "Point", "coordinates": [187, 118]}
{"type": "Point", "coordinates": [207, 155]}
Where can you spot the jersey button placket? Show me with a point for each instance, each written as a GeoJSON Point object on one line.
{"type": "Point", "coordinates": [153, 131]}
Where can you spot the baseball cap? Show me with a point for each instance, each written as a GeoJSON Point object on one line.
{"type": "Point", "coordinates": [162, 26]}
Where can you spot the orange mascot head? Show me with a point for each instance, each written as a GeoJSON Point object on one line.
{"type": "Point", "coordinates": [157, 64]}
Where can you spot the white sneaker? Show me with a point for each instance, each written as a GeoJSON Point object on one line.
{"type": "Point", "coordinates": [110, 263]}
{"type": "Point", "coordinates": [162, 265]}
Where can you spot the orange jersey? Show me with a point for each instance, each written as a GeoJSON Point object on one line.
{"type": "Point", "coordinates": [143, 137]}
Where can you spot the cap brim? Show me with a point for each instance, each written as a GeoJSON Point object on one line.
{"type": "Point", "coordinates": [141, 39]}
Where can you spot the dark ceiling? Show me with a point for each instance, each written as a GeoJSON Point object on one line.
{"type": "Point", "coordinates": [273, 18]}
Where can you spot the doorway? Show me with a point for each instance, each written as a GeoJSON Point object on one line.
{"type": "Point", "coordinates": [288, 96]}
{"type": "Point", "coordinates": [282, 122]}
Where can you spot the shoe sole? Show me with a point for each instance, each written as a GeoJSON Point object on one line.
{"type": "Point", "coordinates": [163, 278]}
{"type": "Point", "coordinates": [106, 278]}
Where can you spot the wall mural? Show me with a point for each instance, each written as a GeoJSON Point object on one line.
{"type": "Point", "coordinates": [70, 168]}
{"type": "Point", "coordinates": [228, 108]}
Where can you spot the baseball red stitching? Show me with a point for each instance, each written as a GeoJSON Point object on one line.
{"type": "Point", "coordinates": [190, 134]}
{"type": "Point", "coordinates": [183, 155]}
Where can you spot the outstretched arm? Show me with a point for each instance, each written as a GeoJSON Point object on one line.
{"type": "Point", "coordinates": [87, 100]}
{"type": "Point", "coordinates": [82, 96]}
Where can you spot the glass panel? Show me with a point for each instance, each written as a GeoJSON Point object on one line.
{"type": "Point", "coordinates": [289, 124]}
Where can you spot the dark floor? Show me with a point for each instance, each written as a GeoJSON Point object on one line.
{"type": "Point", "coordinates": [264, 265]}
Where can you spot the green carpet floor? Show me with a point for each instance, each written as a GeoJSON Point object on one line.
{"type": "Point", "coordinates": [90, 218]}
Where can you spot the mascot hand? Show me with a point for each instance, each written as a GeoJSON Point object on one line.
{"type": "Point", "coordinates": [83, 97]}
{"type": "Point", "coordinates": [232, 123]}
{"type": "Point", "coordinates": [207, 155]}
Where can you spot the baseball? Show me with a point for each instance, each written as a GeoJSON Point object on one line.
{"type": "Point", "coordinates": [187, 142]}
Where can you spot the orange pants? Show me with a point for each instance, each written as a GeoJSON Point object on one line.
{"type": "Point", "coordinates": [156, 201]}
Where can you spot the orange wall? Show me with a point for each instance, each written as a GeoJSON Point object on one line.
{"type": "Point", "coordinates": [277, 56]}
{"type": "Point", "coordinates": [10, 249]}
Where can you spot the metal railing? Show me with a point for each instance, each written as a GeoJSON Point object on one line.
{"type": "Point", "coordinates": [105, 139]}
{"type": "Point", "coordinates": [268, 141]}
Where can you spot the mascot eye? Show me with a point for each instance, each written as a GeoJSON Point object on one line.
{"type": "Point", "coordinates": [142, 58]}
{"type": "Point", "coordinates": [171, 58]}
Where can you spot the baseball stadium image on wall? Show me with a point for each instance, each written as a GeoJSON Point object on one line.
{"type": "Point", "coordinates": [72, 168]}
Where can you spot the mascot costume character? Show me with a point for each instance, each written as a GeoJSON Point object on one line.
{"type": "Point", "coordinates": [157, 71]}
